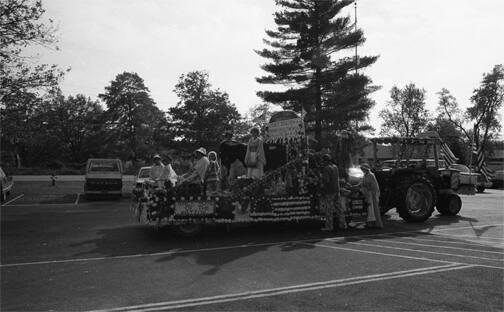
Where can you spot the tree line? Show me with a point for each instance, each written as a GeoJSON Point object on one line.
{"type": "Point", "coordinates": [309, 54]}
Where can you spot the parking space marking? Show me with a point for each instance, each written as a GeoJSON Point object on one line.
{"type": "Point", "coordinates": [425, 251]}
{"type": "Point", "coordinates": [467, 227]}
{"type": "Point", "coordinates": [437, 240]}
{"type": "Point", "coordinates": [404, 256]}
{"type": "Point", "coordinates": [439, 246]}
{"type": "Point", "coordinates": [178, 304]}
{"type": "Point", "coordinates": [473, 237]}
{"type": "Point", "coordinates": [12, 200]}
{"type": "Point", "coordinates": [378, 253]}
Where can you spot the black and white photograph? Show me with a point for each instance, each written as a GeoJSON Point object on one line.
{"type": "Point", "coordinates": [251, 155]}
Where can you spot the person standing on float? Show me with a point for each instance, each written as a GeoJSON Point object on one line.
{"type": "Point", "coordinates": [156, 170]}
{"type": "Point", "coordinates": [255, 159]}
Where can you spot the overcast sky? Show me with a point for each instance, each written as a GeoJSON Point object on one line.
{"type": "Point", "coordinates": [432, 43]}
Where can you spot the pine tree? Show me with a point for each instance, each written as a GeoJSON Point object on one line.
{"type": "Point", "coordinates": [310, 33]}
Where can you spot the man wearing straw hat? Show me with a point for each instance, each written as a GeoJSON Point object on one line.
{"type": "Point", "coordinates": [197, 174]}
{"type": "Point", "coordinates": [371, 192]}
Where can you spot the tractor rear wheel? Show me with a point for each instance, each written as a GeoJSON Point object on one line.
{"type": "Point", "coordinates": [449, 205]}
{"type": "Point", "coordinates": [417, 199]}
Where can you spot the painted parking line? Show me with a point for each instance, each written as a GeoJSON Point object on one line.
{"type": "Point", "coordinates": [439, 246]}
{"type": "Point", "coordinates": [490, 239]}
{"type": "Point", "coordinates": [179, 304]}
{"type": "Point", "coordinates": [467, 227]}
{"type": "Point", "coordinates": [425, 251]}
{"type": "Point", "coordinates": [12, 200]}
{"type": "Point", "coordinates": [403, 256]}
{"type": "Point", "coordinates": [415, 238]}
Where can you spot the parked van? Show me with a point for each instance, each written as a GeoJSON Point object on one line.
{"type": "Point", "coordinates": [103, 177]}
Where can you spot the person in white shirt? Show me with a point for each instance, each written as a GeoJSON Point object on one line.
{"type": "Point", "coordinates": [197, 174]}
{"type": "Point", "coordinates": [168, 173]}
{"type": "Point", "coordinates": [157, 169]}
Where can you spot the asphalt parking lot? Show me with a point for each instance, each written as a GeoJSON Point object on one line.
{"type": "Point", "coordinates": [91, 255]}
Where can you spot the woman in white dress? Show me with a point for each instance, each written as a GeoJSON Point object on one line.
{"type": "Point", "coordinates": [371, 191]}
{"type": "Point", "coordinates": [255, 158]}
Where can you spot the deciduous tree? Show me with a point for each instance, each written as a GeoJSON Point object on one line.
{"type": "Point", "coordinates": [22, 77]}
{"type": "Point", "coordinates": [132, 115]}
{"type": "Point", "coordinates": [487, 100]}
{"type": "Point", "coordinates": [74, 120]}
{"type": "Point", "coordinates": [202, 114]}
{"type": "Point", "coordinates": [22, 25]}
{"type": "Point", "coordinates": [259, 115]}
{"type": "Point", "coordinates": [406, 114]}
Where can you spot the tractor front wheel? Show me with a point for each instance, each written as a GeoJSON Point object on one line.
{"type": "Point", "coordinates": [449, 205]}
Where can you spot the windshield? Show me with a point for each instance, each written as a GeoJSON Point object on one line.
{"type": "Point", "coordinates": [103, 165]}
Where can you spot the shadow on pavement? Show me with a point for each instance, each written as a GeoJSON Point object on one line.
{"type": "Point", "coordinates": [142, 239]}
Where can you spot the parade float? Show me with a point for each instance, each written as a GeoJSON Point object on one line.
{"type": "Point", "coordinates": [288, 191]}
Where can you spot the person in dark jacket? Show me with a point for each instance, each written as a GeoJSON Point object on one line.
{"type": "Point", "coordinates": [330, 194]}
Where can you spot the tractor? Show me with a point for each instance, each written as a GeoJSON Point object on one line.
{"type": "Point", "coordinates": [417, 180]}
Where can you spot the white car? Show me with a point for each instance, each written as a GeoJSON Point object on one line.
{"type": "Point", "coordinates": [143, 174]}
{"type": "Point", "coordinates": [6, 184]}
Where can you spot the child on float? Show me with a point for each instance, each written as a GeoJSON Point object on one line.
{"type": "Point", "coordinates": [212, 174]}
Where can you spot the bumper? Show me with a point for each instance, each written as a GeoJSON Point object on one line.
{"type": "Point", "coordinates": [106, 192]}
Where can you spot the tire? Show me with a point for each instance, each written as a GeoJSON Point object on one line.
{"type": "Point", "coordinates": [417, 199]}
{"type": "Point", "coordinates": [3, 197]}
{"type": "Point", "coordinates": [189, 230]}
{"type": "Point", "coordinates": [480, 188]}
{"type": "Point", "coordinates": [449, 205]}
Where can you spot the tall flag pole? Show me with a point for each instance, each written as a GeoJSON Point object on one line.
{"type": "Point", "coordinates": [355, 24]}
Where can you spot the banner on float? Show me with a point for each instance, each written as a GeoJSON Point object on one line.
{"type": "Point", "coordinates": [285, 130]}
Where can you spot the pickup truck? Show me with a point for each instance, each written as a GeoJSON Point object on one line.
{"type": "Point", "coordinates": [103, 177]}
